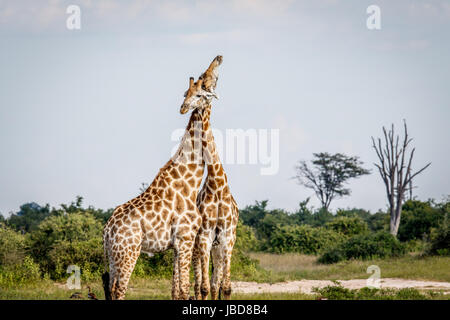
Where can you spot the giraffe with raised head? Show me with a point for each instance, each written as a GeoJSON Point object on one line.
{"type": "Point", "coordinates": [219, 211]}
{"type": "Point", "coordinates": [165, 215]}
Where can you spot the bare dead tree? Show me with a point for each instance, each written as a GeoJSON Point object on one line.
{"type": "Point", "coordinates": [410, 188]}
{"type": "Point", "coordinates": [395, 170]}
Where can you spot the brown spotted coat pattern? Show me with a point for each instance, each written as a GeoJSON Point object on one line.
{"type": "Point", "coordinates": [164, 216]}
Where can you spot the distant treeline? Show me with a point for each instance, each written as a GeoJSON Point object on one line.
{"type": "Point", "coordinates": [350, 233]}
{"type": "Point", "coordinates": [41, 242]}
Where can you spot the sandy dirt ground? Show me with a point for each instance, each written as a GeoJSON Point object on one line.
{"type": "Point", "coordinates": [306, 286]}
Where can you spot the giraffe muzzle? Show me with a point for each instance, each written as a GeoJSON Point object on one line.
{"type": "Point", "coordinates": [184, 109]}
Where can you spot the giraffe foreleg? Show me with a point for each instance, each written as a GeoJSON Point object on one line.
{"type": "Point", "coordinates": [205, 248]}
{"type": "Point", "coordinates": [184, 265]}
{"type": "Point", "coordinates": [196, 261]}
{"type": "Point", "coordinates": [176, 276]}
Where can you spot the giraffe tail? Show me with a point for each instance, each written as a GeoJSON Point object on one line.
{"type": "Point", "coordinates": [105, 278]}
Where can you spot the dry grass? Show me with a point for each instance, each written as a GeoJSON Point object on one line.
{"type": "Point", "coordinates": [288, 262]}
{"type": "Point", "coordinates": [298, 266]}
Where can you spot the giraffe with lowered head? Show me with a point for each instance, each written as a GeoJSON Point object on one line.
{"type": "Point", "coordinates": [165, 215]}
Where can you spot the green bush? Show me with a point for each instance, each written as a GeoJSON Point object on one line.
{"type": "Point", "coordinates": [348, 226]}
{"type": "Point", "coordinates": [87, 255]}
{"type": "Point", "coordinates": [440, 239]}
{"type": "Point", "coordinates": [415, 245]}
{"type": "Point", "coordinates": [243, 267]}
{"type": "Point", "coordinates": [25, 272]}
{"type": "Point", "coordinates": [12, 246]}
{"type": "Point", "coordinates": [418, 218]}
{"type": "Point", "coordinates": [66, 239]}
{"type": "Point", "coordinates": [159, 265]}
{"type": "Point", "coordinates": [245, 238]}
{"type": "Point", "coordinates": [366, 246]}
{"type": "Point", "coordinates": [302, 239]}
{"type": "Point", "coordinates": [15, 266]}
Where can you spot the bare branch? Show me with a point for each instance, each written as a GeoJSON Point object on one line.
{"type": "Point", "coordinates": [395, 169]}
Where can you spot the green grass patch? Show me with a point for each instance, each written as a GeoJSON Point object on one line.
{"type": "Point", "coordinates": [337, 292]}
{"type": "Point", "coordinates": [297, 266]}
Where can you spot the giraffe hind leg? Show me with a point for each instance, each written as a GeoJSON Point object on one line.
{"type": "Point", "coordinates": [205, 250]}
{"type": "Point", "coordinates": [123, 269]}
{"type": "Point", "coordinates": [184, 265]}
{"type": "Point", "coordinates": [216, 279]}
{"type": "Point", "coordinates": [226, 282]}
{"type": "Point", "coordinates": [175, 276]}
{"type": "Point", "coordinates": [197, 272]}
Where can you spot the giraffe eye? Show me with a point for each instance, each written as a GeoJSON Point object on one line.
{"type": "Point", "coordinates": [198, 96]}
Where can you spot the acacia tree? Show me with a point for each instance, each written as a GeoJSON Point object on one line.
{"type": "Point", "coordinates": [328, 175]}
{"type": "Point", "coordinates": [395, 170]}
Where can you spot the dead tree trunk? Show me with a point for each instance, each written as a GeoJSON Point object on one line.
{"type": "Point", "coordinates": [395, 170]}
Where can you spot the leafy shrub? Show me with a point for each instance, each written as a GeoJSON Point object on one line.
{"type": "Point", "coordinates": [87, 255]}
{"type": "Point", "coordinates": [243, 267]}
{"type": "Point", "coordinates": [266, 226]}
{"type": "Point", "coordinates": [321, 217]}
{"type": "Point", "coordinates": [245, 238]}
{"type": "Point", "coordinates": [252, 214]}
{"type": "Point", "coordinates": [418, 218]}
{"type": "Point", "coordinates": [65, 239]}
{"type": "Point", "coordinates": [302, 239]}
{"type": "Point", "coordinates": [440, 239]}
{"type": "Point", "coordinates": [159, 265]}
{"type": "Point", "coordinates": [25, 272]}
{"type": "Point", "coordinates": [348, 226]}
{"type": "Point", "coordinates": [378, 221]}
{"type": "Point", "coordinates": [375, 222]}
{"type": "Point", "coordinates": [366, 246]}
{"type": "Point", "coordinates": [15, 266]}
{"type": "Point", "coordinates": [415, 245]}
{"type": "Point", "coordinates": [12, 246]}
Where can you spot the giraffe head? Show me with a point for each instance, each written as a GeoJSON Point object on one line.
{"type": "Point", "coordinates": [211, 75]}
{"type": "Point", "coordinates": [200, 93]}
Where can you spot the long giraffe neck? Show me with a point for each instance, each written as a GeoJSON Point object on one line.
{"type": "Point", "coordinates": [210, 154]}
{"type": "Point", "coordinates": [187, 161]}
{"type": "Point", "coordinates": [190, 148]}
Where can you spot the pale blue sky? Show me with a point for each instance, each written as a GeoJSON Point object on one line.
{"type": "Point", "coordinates": [90, 112]}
